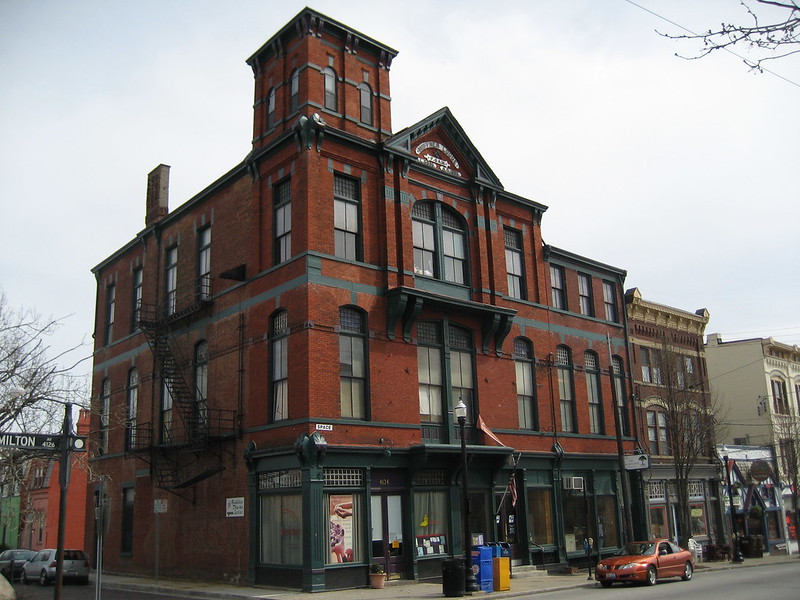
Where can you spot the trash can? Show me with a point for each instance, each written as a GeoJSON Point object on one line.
{"type": "Point", "coordinates": [453, 577]}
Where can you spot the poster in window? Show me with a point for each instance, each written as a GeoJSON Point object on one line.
{"type": "Point", "coordinates": [341, 528]}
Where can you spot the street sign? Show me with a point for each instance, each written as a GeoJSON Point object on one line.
{"type": "Point", "coordinates": [635, 462]}
{"type": "Point", "coordinates": [41, 441]}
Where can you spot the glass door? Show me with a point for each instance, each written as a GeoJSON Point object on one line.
{"type": "Point", "coordinates": [387, 533]}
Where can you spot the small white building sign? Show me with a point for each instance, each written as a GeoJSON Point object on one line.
{"type": "Point", "coordinates": [234, 507]}
{"type": "Point", "coordinates": [635, 462]}
{"type": "Point", "coordinates": [160, 506]}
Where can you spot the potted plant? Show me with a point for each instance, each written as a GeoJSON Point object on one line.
{"type": "Point", "coordinates": [377, 576]}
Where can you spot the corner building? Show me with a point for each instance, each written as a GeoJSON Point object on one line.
{"type": "Point", "coordinates": [278, 359]}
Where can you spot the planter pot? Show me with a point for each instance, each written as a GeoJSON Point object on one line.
{"type": "Point", "coordinates": [377, 580]}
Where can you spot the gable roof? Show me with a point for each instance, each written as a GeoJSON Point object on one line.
{"type": "Point", "coordinates": [443, 119]}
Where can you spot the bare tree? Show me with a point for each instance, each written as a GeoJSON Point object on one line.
{"type": "Point", "coordinates": [787, 434]}
{"type": "Point", "coordinates": [689, 423]}
{"type": "Point", "coordinates": [771, 39]}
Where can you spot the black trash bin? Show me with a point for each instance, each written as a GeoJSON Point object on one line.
{"type": "Point", "coordinates": [453, 574]}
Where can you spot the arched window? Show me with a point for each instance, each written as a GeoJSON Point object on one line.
{"type": "Point", "coordinates": [294, 91]}
{"type": "Point", "coordinates": [330, 89]}
{"type": "Point", "coordinates": [271, 109]}
{"type": "Point", "coordinates": [526, 384]}
{"type": "Point", "coordinates": [131, 409]}
{"type": "Point", "coordinates": [365, 98]}
{"type": "Point", "coordinates": [440, 242]}
{"type": "Point", "coordinates": [657, 430]}
{"type": "Point", "coordinates": [620, 395]}
{"type": "Point", "coordinates": [593, 391]}
{"type": "Point", "coordinates": [105, 414]}
{"type": "Point", "coordinates": [352, 363]}
{"type": "Point", "coordinates": [279, 338]}
{"type": "Point", "coordinates": [780, 400]}
{"type": "Point", "coordinates": [565, 388]}
{"type": "Point", "coordinates": [201, 386]}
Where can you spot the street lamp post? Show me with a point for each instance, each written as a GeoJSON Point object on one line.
{"type": "Point", "coordinates": [736, 550]}
{"type": "Point", "coordinates": [470, 584]}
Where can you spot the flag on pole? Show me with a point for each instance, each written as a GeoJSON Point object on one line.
{"type": "Point", "coordinates": [485, 429]}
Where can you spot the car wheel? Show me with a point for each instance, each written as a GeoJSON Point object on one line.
{"type": "Point", "coordinates": [652, 576]}
{"type": "Point", "coordinates": [25, 579]}
{"type": "Point", "coordinates": [43, 578]}
{"type": "Point", "coordinates": [688, 570]}
{"type": "Point", "coordinates": [605, 584]}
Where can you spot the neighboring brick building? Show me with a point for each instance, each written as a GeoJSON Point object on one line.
{"type": "Point", "coordinates": [673, 402]}
{"type": "Point", "coordinates": [278, 359]}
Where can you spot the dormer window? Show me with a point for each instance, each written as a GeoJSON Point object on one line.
{"type": "Point", "coordinates": [440, 246]}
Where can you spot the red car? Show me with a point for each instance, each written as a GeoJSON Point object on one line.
{"type": "Point", "coordinates": [645, 562]}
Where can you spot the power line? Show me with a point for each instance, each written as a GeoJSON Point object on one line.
{"type": "Point", "coordinates": [725, 48]}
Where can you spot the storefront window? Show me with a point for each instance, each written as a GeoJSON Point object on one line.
{"type": "Point", "coordinates": [540, 516]}
{"type": "Point", "coordinates": [607, 519]}
{"type": "Point", "coordinates": [697, 514]}
{"type": "Point", "coordinates": [282, 529]}
{"type": "Point", "coordinates": [579, 522]}
{"type": "Point", "coordinates": [344, 516]}
{"type": "Point", "coordinates": [658, 522]}
{"type": "Point", "coordinates": [431, 516]}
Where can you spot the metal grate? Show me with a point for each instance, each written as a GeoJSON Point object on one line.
{"type": "Point", "coordinates": [459, 338]}
{"type": "Point", "coordinates": [280, 323]}
{"type": "Point", "coordinates": [513, 238]}
{"type": "Point", "coordinates": [345, 187]}
{"type": "Point", "coordinates": [431, 477]}
{"type": "Point", "coordinates": [350, 320]}
{"type": "Point", "coordinates": [523, 348]}
{"type": "Point", "coordinates": [344, 477]}
{"type": "Point", "coordinates": [422, 210]}
{"type": "Point", "coordinates": [279, 480]}
{"type": "Point", "coordinates": [429, 332]}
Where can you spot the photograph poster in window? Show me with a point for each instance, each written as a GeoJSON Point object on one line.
{"type": "Point", "coordinates": [341, 528]}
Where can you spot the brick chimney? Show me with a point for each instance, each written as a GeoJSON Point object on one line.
{"type": "Point", "coordinates": [157, 195]}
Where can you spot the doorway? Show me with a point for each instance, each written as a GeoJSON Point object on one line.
{"type": "Point", "coordinates": [387, 533]}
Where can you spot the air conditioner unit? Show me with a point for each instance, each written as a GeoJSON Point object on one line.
{"type": "Point", "coordinates": [573, 483]}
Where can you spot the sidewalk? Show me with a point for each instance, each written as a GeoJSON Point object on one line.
{"type": "Point", "coordinates": [524, 583]}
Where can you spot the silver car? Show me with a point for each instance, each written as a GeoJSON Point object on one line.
{"type": "Point", "coordinates": [42, 567]}
{"type": "Point", "coordinates": [11, 562]}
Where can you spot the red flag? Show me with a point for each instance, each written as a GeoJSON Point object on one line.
{"type": "Point", "coordinates": [483, 427]}
{"type": "Point", "coordinates": [512, 485]}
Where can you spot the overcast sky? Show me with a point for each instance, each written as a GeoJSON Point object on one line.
{"type": "Point", "coordinates": [684, 173]}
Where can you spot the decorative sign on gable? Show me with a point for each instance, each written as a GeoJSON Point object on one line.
{"type": "Point", "coordinates": [437, 156]}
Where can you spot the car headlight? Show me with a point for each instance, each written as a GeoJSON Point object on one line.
{"type": "Point", "coordinates": [629, 566]}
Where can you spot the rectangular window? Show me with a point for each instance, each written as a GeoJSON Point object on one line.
{"type": "Point", "coordinates": [565, 391]}
{"type": "Point", "coordinates": [431, 520]}
{"type": "Point", "coordinates": [111, 300]}
{"type": "Point", "coordinates": [344, 516]}
{"type": "Point", "coordinates": [558, 291]}
{"type": "Point", "coordinates": [346, 227]}
{"type": "Point", "coordinates": [105, 415]}
{"type": "Point", "coordinates": [779, 401]}
{"type": "Point", "coordinates": [280, 379]}
{"type": "Point", "coordinates": [593, 392]}
{"type": "Point", "coordinates": [454, 255]}
{"type": "Point", "coordinates": [204, 263]}
{"type": "Point", "coordinates": [137, 297]}
{"type": "Point", "coordinates": [171, 277]}
{"type": "Point", "coordinates": [585, 295]}
{"type": "Point", "coordinates": [166, 413]}
{"type": "Point", "coordinates": [429, 365]}
{"type": "Point", "coordinates": [282, 200]}
{"type": "Point", "coordinates": [525, 398]}
{"type": "Point", "coordinates": [352, 374]}
{"type": "Point", "coordinates": [424, 248]}
{"type": "Point", "coordinates": [697, 516]}
{"type": "Point", "coordinates": [126, 537]}
{"type": "Point", "coordinates": [651, 372]}
{"type": "Point", "coordinates": [610, 301]}
{"type": "Point", "coordinates": [365, 96]}
{"type": "Point", "coordinates": [282, 529]}
{"type": "Point", "coordinates": [514, 266]}
{"type": "Point", "coordinates": [541, 516]}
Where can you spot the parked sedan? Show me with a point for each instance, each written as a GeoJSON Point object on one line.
{"type": "Point", "coordinates": [11, 562]}
{"type": "Point", "coordinates": [645, 562]}
{"type": "Point", "coordinates": [42, 567]}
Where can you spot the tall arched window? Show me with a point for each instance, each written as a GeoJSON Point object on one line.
{"type": "Point", "coordinates": [440, 242]}
{"type": "Point", "coordinates": [330, 89]}
{"type": "Point", "coordinates": [780, 400]}
{"type": "Point", "coordinates": [565, 388]}
{"type": "Point", "coordinates": [620, 395]}
{"type": "Point", "coordinates": [592, 371]}
{"type": "Point", "coordinates": [365, 100]}
{"type": "Point", "coordinates": [105, 414]}
{"type": "Point", "coordinates": [279, 337]}
{"type": "Point", "coordinates": [294, 91]}
{"type": "Point", "coordinates": [201, 386]}
{"type": "Point", "coordinates": [352, 362]}
{"type": "Point", "coordinates": [131, 409]}
{"type": "Point", "coordinates": [271, 109]}
{"type": "Point", "coordinates": [526, 384]}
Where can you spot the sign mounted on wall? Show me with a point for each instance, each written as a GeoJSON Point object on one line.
{"type": "Point", "coordinates": [635, 462]}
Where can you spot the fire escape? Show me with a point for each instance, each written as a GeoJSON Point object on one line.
{"type": "Point", "coordinates": [187, 443]}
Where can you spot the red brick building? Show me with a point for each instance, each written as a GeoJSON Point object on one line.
{"type": "Point", "coordinates": [278, 359]}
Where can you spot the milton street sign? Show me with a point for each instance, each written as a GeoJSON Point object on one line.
{"type": "Point", "coordinates": [40, 441]}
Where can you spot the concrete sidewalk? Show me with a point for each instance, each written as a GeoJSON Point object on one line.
{"type": "Point", "coordinates": [523, 582]}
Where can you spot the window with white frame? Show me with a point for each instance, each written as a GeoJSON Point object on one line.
{"type": "Point", "coordinates": [592, 372]}
{"type": "Point", "coordinates": [526, 385]}
{"type": "Point", "coordinates": [346, 217]}
{"type": "Point", "coordinates": [279, 338]}
{"type": "Point", "coordinates": [515, 273]}
{"type": "Point", "coordinates": [565, 389]}
{"type": "Point", "coordinates": [440, 242]}
{"type": "Point", "coordinates": [558, 291]}
{"type": "Point", "coordinates": [585, 298]}
{"type": "Point", "coordinates": [352, 363]}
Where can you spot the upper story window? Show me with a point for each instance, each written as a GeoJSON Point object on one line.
{"type": "Point", "coordinates": [620, 395]}
{"type": "Point", "coordinates": [352, 363]}
{"type": "Point", "coordinates": [111, 301]}
{"type": "Point", "coordinates": [166, 410]}
{"type": "Point", "coordinates": [294, 91]}
{"type": "Point", "coordinates": [271, 109]}
{"type": "Point", "coordinates": [137, 284]}
{"type": "Point", "coordinates": [565, 388]}
{"type": "Point", "coordinates": [651, 367]}
{"type": "Point", "coordinates": [365, 98]}
{"type": "Point", "coordinates": [558, 290]}
{"type": "Point", "coordinates": [610, 301]}
{"type": "Point", "coordinates": [585, 296]}
{"type": "Point", "coordinates": [171, 285]}
{"type": "Point", "coordinates": [131, 409]}
{"type": "Point", "coordinates": [282, 200]}
{"type": "Point", "coordinates": [201, 385]}
{"type": "Point", "coordinates": [593, 391]}
{"type": "Point", "coordinates": [204, 263]}
{"type": "Point", "coordinates": [780, 401]}
{"type": "Point", "coordinates": [279, 337]}
{"type": "Point", "coordinates": [105, 415]}
{"type": "Point", "coordinates": [330, 89]}
{"type": "Point", "coordinates": [526, 384]}
{"type": "Point", "coordinates": [440, 247]}
{"type": "Point", "coordinates": [657, 430]}
{"type": "Point", "coordinates": [515, 273]}
{"type": "Point", "coordinates": [346, 217]}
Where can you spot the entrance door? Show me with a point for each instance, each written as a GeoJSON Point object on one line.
{"type": "Point", "coordinates": [387, 533]}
